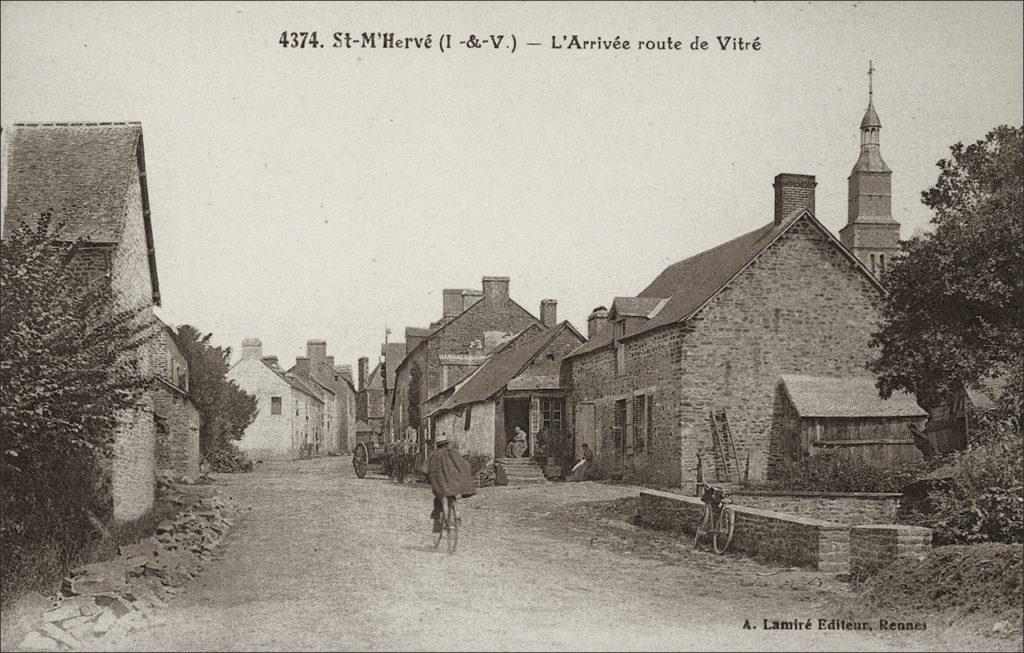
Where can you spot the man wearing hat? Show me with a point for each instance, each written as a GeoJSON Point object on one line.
{"type": "Point", "coordinates": [450, 476]}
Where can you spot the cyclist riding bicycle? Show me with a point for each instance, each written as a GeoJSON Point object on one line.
{"type": "Point", "coordinates": [450, 476]}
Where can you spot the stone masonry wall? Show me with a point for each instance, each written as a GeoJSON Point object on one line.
{"type": "Point", "coordinates": [652, 367]}
{"type": "Point", "coordinates": [781, 538]}
{"type": "Point", "coordinates": [133, 481]}
{"type": "Point", "coordinates": [177, 435]}
{"type": "Point", "coordinates": [843, 508]}
{"type": "Point", "coordinates": [876, 546]}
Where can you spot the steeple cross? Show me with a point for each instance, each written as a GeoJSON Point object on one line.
{"type": "Point", "coordinates": [871, 70]}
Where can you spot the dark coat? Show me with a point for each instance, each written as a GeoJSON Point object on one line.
{"type": "Point", "coordinates": [450, 474]}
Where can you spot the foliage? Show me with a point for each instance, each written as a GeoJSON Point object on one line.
{"type": "Point", "coordinates": [69, 368]}
{"type": "Point", "coordinates": [955, 309]}
{"type": "Point", "coordinates": [833, 471]}
{"type": "Point", "coordinates": [477, 461]}
{"type": "Point", "coordinates": [228, 460]}
{"type": "Point", "coordinates": [226, 409]}
{"type": "Point", "coordinates": [984, 500]}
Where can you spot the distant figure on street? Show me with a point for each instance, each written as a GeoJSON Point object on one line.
{"type": "Point", "coordinates": [582, 469]}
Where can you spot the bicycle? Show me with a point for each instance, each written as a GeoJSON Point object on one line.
{"type": "Point", "coordinates": [718, 522]}
{"type": "Point", "coordinates": [449, 522]}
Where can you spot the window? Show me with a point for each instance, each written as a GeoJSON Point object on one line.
{"type": "Point", "coordinates": [469, 418]}
{"type": "Point", "coordinates": [873, 271]}
{"type": "Point", "coordinates": [881, 262]}
{"type": "Point", "coordinates": [620, 359]}
{"type": "Point", "coordinates": [275, 405]}
{"type": "Point", "coordinates": [639, 423]}
{"type": "Point", "coordinates": [551, 410]}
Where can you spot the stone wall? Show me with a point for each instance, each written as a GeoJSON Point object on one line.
{"type": "Point", "coordinates": [778, 537]}
{"type": "Point", "coordinates": [848, 508]}
{"type": "Point", "coordinates": [875, 546]}
{"type": "Point", "coordinates": [177, 433]}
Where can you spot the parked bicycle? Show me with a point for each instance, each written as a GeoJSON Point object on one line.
{"type": "Point", "coordinates": [449, 522]}
{"type": "Point", "coordinates": [718, 522]}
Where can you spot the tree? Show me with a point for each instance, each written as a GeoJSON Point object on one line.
{"type": "Point", "coordinates": [955, 309]}
{"type": "Point", "coordinates": [226, 409]}
{"type": "Point", "coordinates": [67, 373]}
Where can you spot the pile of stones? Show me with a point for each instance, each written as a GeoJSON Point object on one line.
{"type": "Point", "coordinates": [100, 603]}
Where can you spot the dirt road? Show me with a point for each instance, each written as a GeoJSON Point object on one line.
{"type": "Point", "coordinates": [325, 561]}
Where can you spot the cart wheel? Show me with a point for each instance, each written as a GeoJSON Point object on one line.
{"type": "Point", "coordinates": [360, 460]}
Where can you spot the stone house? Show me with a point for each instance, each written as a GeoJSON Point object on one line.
{"type": "Point", "coordinates": [690, 365]}
{"type": "Point", "coordinates": [370, 400]}
{"type": "Point", "coordinates": [320, 373]}
{"type": "Point", "coordinates": [516, 386]}
{"type": "Point", "coordinates": [394, 354]}
{"type": "Point", "coordinates": [289, 419]}
{"type": "Point", "coordinates": [473, 324]}
{"type": "Point", "coordinates": [176, 418]}
{"type": "Point", "coordinates": [92, 178]}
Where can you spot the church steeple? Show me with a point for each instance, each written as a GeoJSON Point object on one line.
{"type": "Point", "coordinates": [871, 232]}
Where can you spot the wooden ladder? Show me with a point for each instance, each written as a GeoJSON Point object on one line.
{"type": "Point", "coordinates": [724, 444]}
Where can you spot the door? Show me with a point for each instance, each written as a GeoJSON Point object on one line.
{"type": "Point", "coordinates": [585, 431]}
{"type": "Point", "coordinates": [517, 414]}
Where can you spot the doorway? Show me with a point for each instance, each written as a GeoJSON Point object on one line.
{"type": "Point", "coordinates": [517, 413]}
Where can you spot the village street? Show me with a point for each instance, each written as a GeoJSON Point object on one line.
{"type": "Point", "coordinates": [325, 561]}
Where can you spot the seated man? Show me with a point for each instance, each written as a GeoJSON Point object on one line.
{"type": "Point", "coordinates": [582, 469]}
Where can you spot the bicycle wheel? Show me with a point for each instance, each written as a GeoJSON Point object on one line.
{"type": "Point", "coordinates": [442, 520]}
{"type": "Point", "coordinates": [723, 531]}
{"type": "Point", "coordinates": [702, 528]}
{"type": "Point", "coordinates": [452, 527]}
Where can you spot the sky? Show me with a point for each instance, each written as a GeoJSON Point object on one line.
{"type": "Point", "coordinates": [328, 193]}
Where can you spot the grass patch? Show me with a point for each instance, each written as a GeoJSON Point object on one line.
{"type": "Point", "coordinates": [967, 588]}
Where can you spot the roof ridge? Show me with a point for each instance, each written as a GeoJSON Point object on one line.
{"type": "Point", "coordinates": [110, 123]}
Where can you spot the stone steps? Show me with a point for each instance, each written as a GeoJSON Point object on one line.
{"type": "Point", "coordinates": [522, 471]}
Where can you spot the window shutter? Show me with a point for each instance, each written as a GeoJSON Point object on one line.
{"type": "Point", "coordinates": [629, 426]}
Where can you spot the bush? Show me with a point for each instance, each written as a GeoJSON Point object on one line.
{"type": "Point", "coordinates": [984, 499]}
{"type": "Point", "coordinates": [66, 375]}
{"type": "Point", "coordinates": [833, 471]}
{"type": "Point", "coordinates": [477, 461]}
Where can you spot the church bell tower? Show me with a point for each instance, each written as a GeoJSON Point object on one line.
{"type": "Point", "coordinates": [871, 233]}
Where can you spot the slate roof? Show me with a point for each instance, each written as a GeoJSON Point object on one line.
{"type": "Point", "coordinates": [499, 369]}
{"type": "Point", "coordinates": [80, 173]}
{"type": "Point", "coordinates": [822, 396]}
{"type": "Point", "coordinates": [634, 306]}
{"type": "Point", "coordinates": [394, 353]}
{"type": "Point", "coordinates": [690, 283]}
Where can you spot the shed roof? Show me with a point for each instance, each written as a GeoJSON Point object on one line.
{"type": "Point", "coordinates": [824, 396]}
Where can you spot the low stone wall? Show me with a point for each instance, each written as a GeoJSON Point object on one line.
{"type": "Point", "coordinates": [789, 539]}
{"type": "Point", "coordinates": [850, 508]}
{"type": "Point", "coordinates": [875, 546]}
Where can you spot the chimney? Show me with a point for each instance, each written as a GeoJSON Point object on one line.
{"type": "Point", "coordinates": [364, 364]}
{"type": "Point", "coordinates": [413, 337]}
{"type": "Point", "coordinates": [272, 362]}
{"type": "Point", "coordinates": [495, 287]}
{"type": "Point", "coordinates": [252, 348]}
{"type": "Point", "coordinates": [549, 312]}
{"type": "Point", "coordinates": [792, 193]}
{"type": "Point", "coordinates": [316, 351]}
{"type": "Point", "coordinates": [452, 302]}
{"type": "Point", "coordinates": [345, 371]}
{"type": "Point", "coordinates": [330, 361]}
{"type": "Point", "coordinates": [597, 321]}
{"type": "Point", "coordinates": [302, 366]}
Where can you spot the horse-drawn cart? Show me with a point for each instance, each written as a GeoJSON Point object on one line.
{"type": "Point", "coordinates": [394, 460]}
